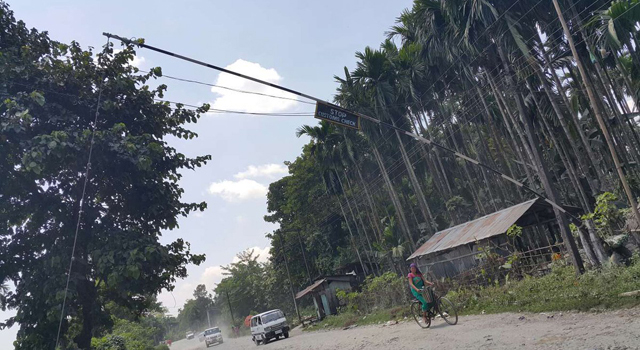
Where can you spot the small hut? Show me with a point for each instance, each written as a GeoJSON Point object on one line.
{"type": "Point", "coordinates": [323, 291]}
{"type": "Point", "coordinates": [450, 252]}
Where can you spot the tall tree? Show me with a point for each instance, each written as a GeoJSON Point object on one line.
{"type": "Point", "coordinates": [50, 93]}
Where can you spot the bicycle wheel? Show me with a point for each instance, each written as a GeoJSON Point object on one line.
{"type": "Point", "coordinates": [447, 311]}
{"type": "Point", "coordinates": [416, 311]}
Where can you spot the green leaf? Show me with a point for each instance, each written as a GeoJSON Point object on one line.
{"type": "Point", "coordinates": [517, 37]}
{"type": "Point", "coordinates": [38, 98]}
{"type": "Point", "coordinates": [612, 32]}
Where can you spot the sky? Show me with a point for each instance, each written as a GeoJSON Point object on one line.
{"type": "Point", "coordinates": [300, 45]}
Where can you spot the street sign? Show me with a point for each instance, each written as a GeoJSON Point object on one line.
{"type": "Point", "coordinates": [337, 115]}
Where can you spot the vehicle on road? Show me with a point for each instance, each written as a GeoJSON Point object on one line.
{"type": "Point", "coordinates": [442, 306]}
{"type": "Point", "coordinates": [213, 336]}
{"type": "Point", "coordinates": [269, 325]}
{"type": "Point", "coordinates": [190, 335]}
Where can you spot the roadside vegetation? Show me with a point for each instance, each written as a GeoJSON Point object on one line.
{"type": "Point", "coordinates": [560, 290]}
{"type": "Point", "coordinates": [546, 95]}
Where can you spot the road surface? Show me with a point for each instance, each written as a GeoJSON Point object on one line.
{"type": "Point", "coordinates": [616, 330]}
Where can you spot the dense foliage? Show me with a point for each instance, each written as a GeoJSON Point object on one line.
{"type": "Point", "coordinates": [495, 80]}
{"type": "Point", "coordinates": [250, 287]}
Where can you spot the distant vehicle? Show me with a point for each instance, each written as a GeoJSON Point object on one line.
{"type": "Point", "coordinates": [201, 337]}
{"type": "Point", "coordinates": [213, 336]}
{"type": "Point", "coordinates": [269, 325]}
{"type": "Point", "coordinates": [190, 335]}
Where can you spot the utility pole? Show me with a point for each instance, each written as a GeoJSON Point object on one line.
{"type": "Point", "coordinates": [304, 257]}
{"type": "Point", "coordinates": [233, 321]}
{"type": "Point", "coordinates": [208, 319]}
{"type": "Point", "coordinates": [286, 265]}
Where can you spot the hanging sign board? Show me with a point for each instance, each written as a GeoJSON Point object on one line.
{"type": "Point", "coordinates": [337, 115]}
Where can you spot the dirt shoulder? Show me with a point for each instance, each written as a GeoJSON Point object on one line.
{"type": "Point", "coordinates": [614, 330]}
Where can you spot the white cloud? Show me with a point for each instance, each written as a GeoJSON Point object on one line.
{"type": "Point", "coordinates": [137, 61]}
{"type": "Point", "coordinates": [262, 253]}
{"type": "Point", "coordinates": [267, 170]}
{"type": "Point", "coordinates": [211, 276]}
{"type": "Point", "coordinates": [236, 191]}
{"type": "Point", "coordinates": [238, 101]}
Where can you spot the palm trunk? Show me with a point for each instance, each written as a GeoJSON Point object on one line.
{"type": "Point", "coordinates": [574, 117]}
{"type": "Point", "coordinates": [502, 154]}
{"type": "Point", "coordinates": [599, 117]}
{"type": "Point", "coordinates": [505, 118]}
{"type": "Point", "coordinates": [438, 177]}
{"type": "Point", "coordinates": [404, 225]}
{"type": "Point", "coordinates": [565, 128]}
{"type": "Point", "coordinates": [543, 173]}
{"type": "Point", "coordinates": [482, 153]}
{"type": "Point", "coordinates": [441, 166]}
{"type": "Point", "coordinates": [623, 120]}
{"type": "Point", "coordinates": [353, 240]}
{"type": "Point", "coordinates": [362, 225]}
{"type": "Point", "coordinates": [372, 211]}
{"type": "Point", "coordinates": [625, 77]}
{"type": "Point", "coordinates": [422, 201]}
{"type": "Point", "coordinates": [574, 181]}
{"type": "Point", "coordinates": [629, 140]}
{"type": "Point", "coordinates": [472, 189]}
{"type": "Point", "coordinates": [601, 85]}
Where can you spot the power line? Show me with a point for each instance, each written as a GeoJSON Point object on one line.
{"type": "Point", "coordinates": [366, 117]}
{"type": "Point", "coordinates": [214, 110]}
{"type": "Point", "coordinates": [81, 203]}
{"type": "Point", "coordinates": [377, 121]}
{"type": "Point", "coordinates": [230, 88]}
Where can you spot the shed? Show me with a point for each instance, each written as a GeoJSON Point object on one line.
{"type": "Point", "coordinates": [454, 250]}
{"type": "Point", "coordinates": [323, 291]}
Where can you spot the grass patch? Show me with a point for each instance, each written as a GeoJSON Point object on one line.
{"type": "Point", "coordinates": [560, 290]}
{"type": "Point", "coordinates": [347, 319]}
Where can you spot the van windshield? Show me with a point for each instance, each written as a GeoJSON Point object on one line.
{"type": "Point", "coordinates": [272, 316]}
{"type": "Point", "coordinates": [211, 331]}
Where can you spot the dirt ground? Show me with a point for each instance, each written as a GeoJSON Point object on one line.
{"type": "Point", "coordinates": [615, 330]}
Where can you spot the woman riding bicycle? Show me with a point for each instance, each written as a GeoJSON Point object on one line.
{"type": "Point", "coordinates": [417, 283]}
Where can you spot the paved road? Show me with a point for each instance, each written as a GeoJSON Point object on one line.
{"type": "Point", "coordinates": [617, 330]}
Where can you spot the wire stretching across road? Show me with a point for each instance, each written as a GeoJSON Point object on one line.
{"type": "Point", "coordinates": [363, 116]}
{"type": "Point", "coordinates": [214, 110]}
{"type": "Point", "coordinates": [231, 89]}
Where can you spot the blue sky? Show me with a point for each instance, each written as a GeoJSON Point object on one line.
{"type": "Point", "coordinates": [301, 45]}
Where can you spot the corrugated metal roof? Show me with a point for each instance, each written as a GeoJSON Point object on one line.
{"type": "Point", "coordinates": [481, 228]}
{"type": "Point", "coordinates": [309, 289]}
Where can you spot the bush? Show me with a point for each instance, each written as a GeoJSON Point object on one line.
{"type": "Point", "coordinates": [557, 291]}
{"type": "Point", "coordinates": [110, 342]}
{"type": "Point", "coordinates": [381, 292]}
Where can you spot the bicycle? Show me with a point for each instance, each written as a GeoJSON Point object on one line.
{"type": "Point", "coordinates": [442, 306]}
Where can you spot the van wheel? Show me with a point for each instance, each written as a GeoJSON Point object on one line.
{"type": "Point", "coordinates": [256, 341]}
{"type": "Point", "coordinates": [266, 341]}
{"type": "Point", "coordinates": [286, 335]}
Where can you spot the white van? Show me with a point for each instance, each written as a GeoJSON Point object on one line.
{"type": "Point", "coordinates": [213, 336]}
{"type": "Point", "coordinates": [269, 325]}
